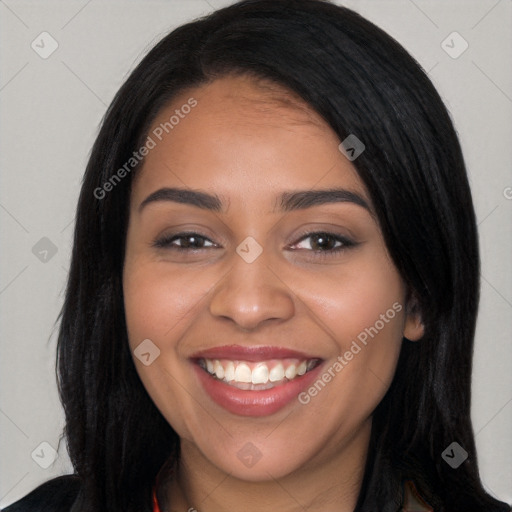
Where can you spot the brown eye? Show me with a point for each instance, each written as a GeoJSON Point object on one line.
{"type": "Point", "coordinates": [322, 241]}
{"type": "Point", "coordinates": [323, 244]}
{"type": "Point", "coordinates": [185, 242]}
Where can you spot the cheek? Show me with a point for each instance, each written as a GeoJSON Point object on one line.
{"type": "Point", "coordinates": [349, 300]}
{"type": "Point", "coordinates": [159, 302]}
{"type": "Point", "coordinates": [160, 305]}
{"type": "Point", "coordinates": [360, 310]}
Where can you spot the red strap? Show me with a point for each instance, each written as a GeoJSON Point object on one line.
{"type": "Point", "coordinates": [156, 507]}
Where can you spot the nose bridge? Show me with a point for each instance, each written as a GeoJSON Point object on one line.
{"type": "Point", "coordinates": [251, 293]}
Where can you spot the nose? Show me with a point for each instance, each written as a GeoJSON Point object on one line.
{"type": "Point", "coordinates": [251, 294]}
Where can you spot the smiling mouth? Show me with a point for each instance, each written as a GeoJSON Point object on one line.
{"type": "Point", "coordinates": [257, 375]}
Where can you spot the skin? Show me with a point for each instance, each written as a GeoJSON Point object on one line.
{"type": "Point", "coordinates": [247, 143]}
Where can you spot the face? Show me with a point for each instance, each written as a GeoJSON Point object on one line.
{"type": "Point", "coordinates": [272, 313]}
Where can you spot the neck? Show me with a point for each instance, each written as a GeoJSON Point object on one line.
{"type": "Point", "coordinates": [331, 481]}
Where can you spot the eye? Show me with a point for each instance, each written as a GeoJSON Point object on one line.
{"type": "Point", "coordinates": [184, 242]}
{"type": "Point", "coordinates": [321, 243]}
{"type": "Point", "coordinates": [324, 243]}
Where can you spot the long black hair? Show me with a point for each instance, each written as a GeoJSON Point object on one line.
{"type": "Point", "coordinates": [362, 82]}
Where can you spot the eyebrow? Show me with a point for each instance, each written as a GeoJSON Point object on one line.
{"type": "Point", "coordinates": [289, 201]}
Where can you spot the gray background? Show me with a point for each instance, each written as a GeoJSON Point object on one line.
{"type": "Point", "coordinates": [50, 111]}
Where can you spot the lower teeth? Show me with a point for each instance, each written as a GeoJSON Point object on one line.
{"type": "Point", "coordinates": [249, 386]}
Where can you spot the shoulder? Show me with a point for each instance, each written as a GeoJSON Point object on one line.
{"type": "Point", "coordinates": [56, 495]}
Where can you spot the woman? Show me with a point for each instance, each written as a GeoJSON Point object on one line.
{"type": "Point", "coordinates": [274, 275]}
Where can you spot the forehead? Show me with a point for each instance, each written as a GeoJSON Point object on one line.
{"type": "Point", "coordinates": [243, 139]}
{"type": "Point", "coordinates": [259, 98]}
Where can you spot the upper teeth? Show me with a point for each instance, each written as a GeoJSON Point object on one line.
{"type": "Point", "coordinates": [257, 372]}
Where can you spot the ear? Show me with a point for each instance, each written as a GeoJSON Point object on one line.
{"type": "Point", "coordinates": [413, 327]}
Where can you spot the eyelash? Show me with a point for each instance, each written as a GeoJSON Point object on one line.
{"type": "Point", "coordinates": [166, 242]}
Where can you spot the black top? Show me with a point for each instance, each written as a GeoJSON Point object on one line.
{"type": "Point", "coordinates": [56, 495]}
{"type": "Point", "coordinates": [59, 495]}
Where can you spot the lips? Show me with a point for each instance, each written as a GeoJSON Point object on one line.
{"type": "Point", "coordinates": [254, 353]}
{"type": "Point", "coordinates": [254, 381]}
